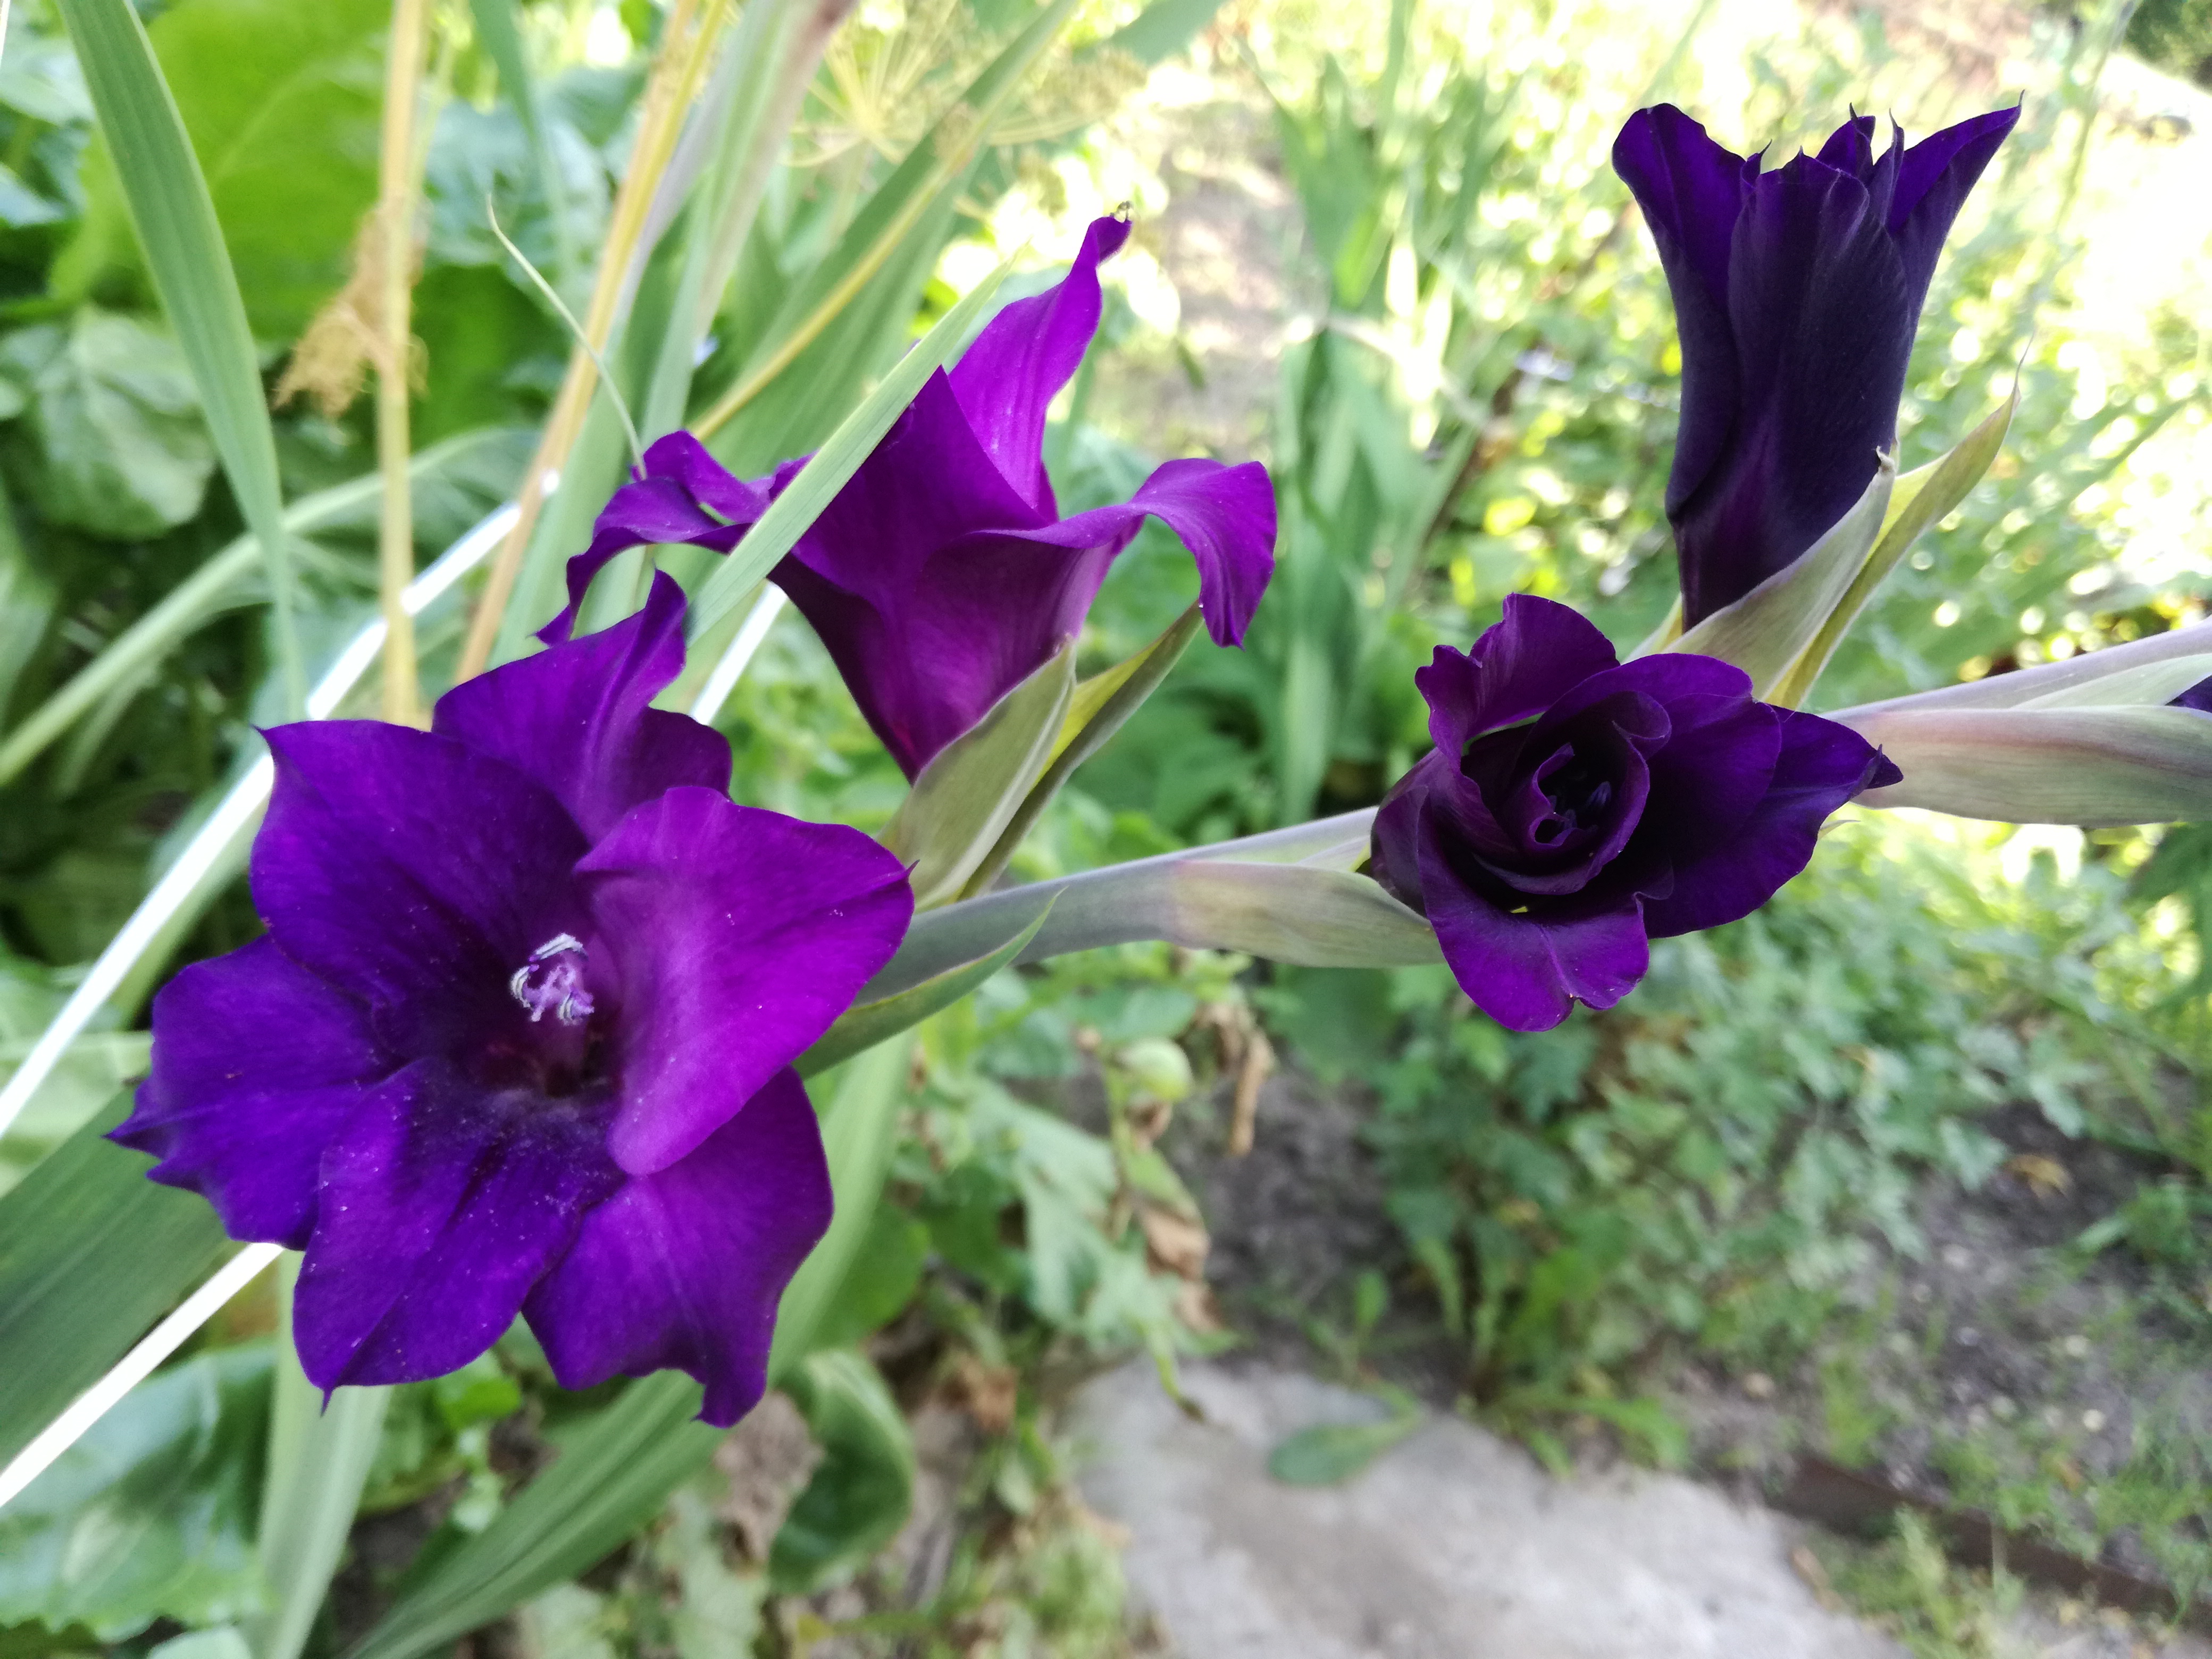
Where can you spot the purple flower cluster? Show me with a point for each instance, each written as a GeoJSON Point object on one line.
{"type": "Point", "coordinates": [519, 1038]}
{"type": "Point", "coordinates": [1577, 807]}
{"type": "Point", "coordinates": [942, 575]}
{"type": "Point", "coordinates": [1797, 293]}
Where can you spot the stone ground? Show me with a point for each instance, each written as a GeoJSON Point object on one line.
{"type": "Point", "coordinates": [1453, 1544]}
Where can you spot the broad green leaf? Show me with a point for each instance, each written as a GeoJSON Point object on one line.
{"type": "Point", "coordinates": [223, 1642]}
{"type": "Point", "coordinates": [122, 450]}
{"type": "Point", "coordinates": [91, 1254]}
{"type": "Point", "coordinates": [1161, 30]}
{"type": "Point", "coordinates": [175, 218]}
{"type": "Point", "coordinates": [833, 466]}
{"type": "Point", "coordinates": [283, 104]}
{"type": "Point", "coordinates": [866, 1023]}
{"type": "Point", "coordinates": [863, 1489]}
{"type": "Point", "coordinates": [228, 580]}
{"type": "Point", "coordinates": [320, 1455]}
{"type": "Point", "coordinates": [972, 788]}
{"type": "Point", "coordinates": [617, 1467]}
{"type": "Point", "coordinates": [1332, 1453]}
{"type": "Point", "coordinates": [1921, 497]}
{"type": "Point", "coordinates": [2087, 765]}
{"type": "Point", "coordinates": [1766, 631]}
{"type": "Point", "coordinates": [151, 1514]}
{"type": "Point", "coordinates": [1100, 707]}
{"type": "Point", "coordinates": [886, 1271]}
{"type": "Point", "coordinates": [2151, 685]}
{"type": "Point", "coordinates": [91, 1070]}
{"type": "Point", "coordinates": [500, 30]}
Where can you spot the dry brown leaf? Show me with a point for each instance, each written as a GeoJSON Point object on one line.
{"type": "Point", "coordinates": [768, 1458]}
{"type": "Point", "coordinates": [1173, 1243]}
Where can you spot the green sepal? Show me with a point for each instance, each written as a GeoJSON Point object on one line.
{"type": "Point", "coordinates": [971, 789]}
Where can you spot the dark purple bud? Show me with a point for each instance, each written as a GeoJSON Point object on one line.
{"type": "Point", "coordinates": [942, 575]}
{"type": "Point", "coordinates": [1797, 293]}
{"type": "Point", "coordinates": [1577, 807]}
{"type": "Point", "coordinates": [2197, 697]}
{"type": "Point", "coordinates": [519, 1039]}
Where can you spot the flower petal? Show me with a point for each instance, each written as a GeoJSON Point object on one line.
{"type": "Point", "coordinates": [1539, 651]}
{"type": "Point", "coordinates": [1822, 314]}
{"type": "Point", "coordinates": [683, 1268]}
{"type": "Point", "coordinates": [1008, 378]}
{"type": "Point", "coordinates": [1523, 970]}
{"type": "Point", "coordinates": [1692, 191]}
{"type": "Point", "coordinates": [411, 872]}
{"type": "Point", "coordinates": [258, 1065]}
{"type": "Point", "coordinates": [578, 718]}
{"type": "Point", "coordinates": [441, 1205]}
{"type": "Point", "coordinates": [664, 505]}
{"type": "Point", "coordinates": [1938, 173]}
{"type": "Point", "coordinates": [1225, 516]}
{"type": "Point", "coordinates": [1819, 765]}
{"type": "Point", "coordinates": [738, 936]}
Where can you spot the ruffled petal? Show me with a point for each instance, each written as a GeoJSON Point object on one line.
{"type": "Point", "coordinates": [1007, 379]}
{"type": "Point", "coordinates": [1819, 766]}
{"type": "Point", "coordinates": [1539, 651]}
{"type": "Point", "coordinates": [257, 1067]}
{"type": "Point", "coordinates": [737, 937]}
{"type": "Point", "coordinates": [412, 872]}
{"type": "Point", "coordinates": [578, 718]}
{"type": "Point", "coordinates": [441, 1206]}
{"type": "Point", "coordinates": [1225, 516]}
{"type": "Point", "coordinates": [683, 1268]}
{"type": "Point", "coordinates": [665, 505]}
{"type": "Point", "coordinates": [1525, 970]}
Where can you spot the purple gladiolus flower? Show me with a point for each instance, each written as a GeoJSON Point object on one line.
{"type": "Point", "coordinates": [1797, 293]}
{"type": "Point", "coordinates": [1577, 807]}
{"type": "Point", "coordinates": [943, 576]}
{"type": "Point", "coordinates": [519, 1036]}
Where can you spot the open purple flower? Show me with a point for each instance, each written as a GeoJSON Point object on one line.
{"type": "Point", "coordinates": [943, 576]}
{"type": "Point", "coordinates": [519, 1036]}
{"type": "Point", "coordinates": [1577, 807]}
{"type": "Point", "coordinates": [1797, 293]}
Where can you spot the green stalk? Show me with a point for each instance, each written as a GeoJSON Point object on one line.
{"type": "Point", "coordinates": [400, 171]}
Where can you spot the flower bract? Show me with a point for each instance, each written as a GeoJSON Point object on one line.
{"type": "Point", "coordinates": [1576, 807]}
{"type": "Point", "coordinates": [1797, 292]}
{"type": "Point", "coordinates": [518, 1037]}
{"type": "Point", "coordinates": [942, 575]}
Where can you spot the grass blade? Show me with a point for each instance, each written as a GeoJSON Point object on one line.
{"type": "Point", "coordinates": [175, 219]}
{"type": "Point", "coordinates": [91, 1254]}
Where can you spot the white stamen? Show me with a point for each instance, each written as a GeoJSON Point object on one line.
{"type": "Point", "coordinates": [558, 986]}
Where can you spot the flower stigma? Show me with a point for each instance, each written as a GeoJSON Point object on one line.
{"type": "Point", "coordinates": [553, 981]}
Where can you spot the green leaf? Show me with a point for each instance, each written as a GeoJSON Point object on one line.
{"type": "Point", "coordinates": [2025, 685]}
{"type": "Point", "coordinates": [151, 1514]}
{"type": "Point", "coordinates": [318, 1457]}
{"type": "Point", "coordinates": [2152, 685]}
{"type": "Point", "coordinates": [1920, 498]}
{"type": "Point", "coordinates": [1769, 629]}
{"type": "Point", "coordinates": [91, 1254]}
{"type": "Point", "coordinates": [122, 451]}
{"type": "Point", "coordinates": [224, 582]}
{"type": "Point", "coordinates": [794, 511]}
{"type": "Point", "coordinates": [617, 1467]}
{"type": "Point", "coordinates": [972, 788]}
{"type": "Point", "coordinates": [1333, 1452]}
{"type": "Point", "coordinates": [1100, 707]}
{"type": "Point", "coordinates": [176, 222]}
{"type": "Point", "coordinates": [886, 1271]}
{"type": "Point", "coordinates": [283, 104]}
{"type": "Point", "coordinates": [863, 1489]}
{"type": "Point", "coordinates": [866, 1023]}
{"type": "Point", "coordinates": [2087, 766]}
